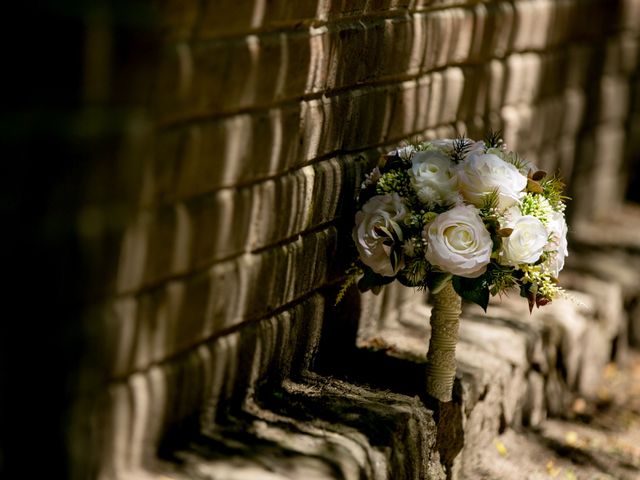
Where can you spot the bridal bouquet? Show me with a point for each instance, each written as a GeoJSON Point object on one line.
{"type": "Point", "coordinates": [461, 218]}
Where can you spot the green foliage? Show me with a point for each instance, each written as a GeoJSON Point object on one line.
{"type": "Point", "coordinates": [490, 203]}
{"type": "Point", "coordinates": [552, 187]}
{"type": "Point", "coordinates": [395, 181]}
{"type": "Point", "coordinates": [501, 278]}
{"type": "Point", "coordinates": [436, 280]}
{"type": "Point", "coordinates": [414, 272]}
{"type": "Point", "coordinates": [372, 281]}
{"type": "Point", "coordinates": [517, 161]}
{"type": "Point", "coordinates": [418, 145]}
{"type": "Point", "coordinates": [474, 290]}
{"type": "Point", "coordinates": [537, 206]}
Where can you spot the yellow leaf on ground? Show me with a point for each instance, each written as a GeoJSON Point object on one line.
{"type": "Point", "coordinates": [571, 438]}
{"type": "Point", "coordinates": [502, 449]}
{"type": "Point", "coordinates": [552, 470]}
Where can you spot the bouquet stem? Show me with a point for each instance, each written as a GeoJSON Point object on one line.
{"type": "Point", "coordinates": [441, 358]}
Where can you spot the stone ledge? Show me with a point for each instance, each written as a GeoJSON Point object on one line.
{"type": "Point", "coordinates": [513, 369]}
{"type": "Point", "coordinates": [274, 407]}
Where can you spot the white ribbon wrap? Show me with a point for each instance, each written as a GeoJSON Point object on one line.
{"type": "Point", "coordinates": [441, 358]}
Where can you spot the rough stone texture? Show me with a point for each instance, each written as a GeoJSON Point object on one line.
{"type": "Point", "coordinates": [609, 248]}
{"type": "Point", "coordinates": [215, 226]}
{"type": "Point", "coordinates": [514, 369]}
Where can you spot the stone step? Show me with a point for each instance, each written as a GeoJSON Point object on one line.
{"type": "Point", "coordinates": [330, 395]}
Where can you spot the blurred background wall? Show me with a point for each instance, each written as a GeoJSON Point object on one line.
{"type": "Point", "coordinates": [187, 170]}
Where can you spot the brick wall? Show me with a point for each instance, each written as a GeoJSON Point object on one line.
{"type": "Point", "coordinates": [252, 126]}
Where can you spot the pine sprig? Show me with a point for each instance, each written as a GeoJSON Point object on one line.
{"type": "Point", "coordinates": [517, 161]}
{"type": "Point", "coordinates": [490, 202]}
{"type": "Point", "coordinates": [461, 148]}
{"type": "Point", "coordinates": [493, 139]}
{"type": "Point", "coordinates": [415, 272]}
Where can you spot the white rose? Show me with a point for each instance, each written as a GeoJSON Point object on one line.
{"type": "Point", "coordinates": [557, 229]}
{"type": "Point", "coordinates": [384, 211]}
{"type": "Point", "coordinates": [482, 173]}
{"type": "Point", "coordinates": [526, 242]}
{"type": "Point", "coordinates": [433, 178]}
{"type": "Point", "coordinates": [458, 242]}
{"type": "Point", "coordinates": [404, 152]}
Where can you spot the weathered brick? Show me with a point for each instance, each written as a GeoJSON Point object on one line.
{"type": "Point", "coordinates": [355, 53]}
{"type": "Point", "coordinates": [335, 187]}
{"type": "Point", "coordinates": [221, 17]}
{"type": "Point", "coordinates": [511, 129]}
{"type": "Point", "coordinates": [119, 339]}
{"type": "Point", "coordinates": [402, 46]}
{"type": "Point", "coordinates": [543, 122]}
{"type": "Point", "coordinates": [172, 152]}
{"type": "Point", "coordinates": [401, 118]}
{"type": "Point", "coordinates": [253, 147]}
{"type": "Point", "coordinates": [498, 30]}
{"type": "Point", "coordinates": [168, 319]}
{"type": "Point", "coordinates": [573, 110]}
{"type": "Point", "coordinates": [453, 87]}
{"type": "Point", "coordinates": [227, 17]}
{"type": "Point", "coordinates": [321, 126]}
{"type": "Point", "coordinates": [291, 194]}
{"type": "Point", "coordinates": [370, 116]}
{"type": "Point", "coordinates": [515, 79]}
{"type": "Point", "coordinates": [476, 86]}
{"type": "Point", "coordinates": [561, 22]}
{"type": "Point", "coordinates": [436, 99]}
{"type": "Point", "coordinates": [311, 197]}
{"type": "Point", "coordinates": [280, 275]}
{"type": "Point", "coordinates": [133, 254]}
{"type": "Point", "coordinates": [173, 239]}
{"type": "Point", "coordinates": [440, 38]}
{"type": "Point", "coordinates": [221, 221]}
{"type": "Point", "coordinates": [462, 24]}
{"type": "Point", "coordinates": [623, 54]}
{"type": "Point", "coordinates": [606, 177]}
{"type": "Point", "coordinates": [497, 80]}
{"type": "Point", "coordinates": [597, 177]}
{"type": "Point", "coordinates": [532, 24]}
{"type": "Point", "coordinates": [283, 12]}
{"type": "Point", "coordinates": [350, 8]}
{"type": "Point", "coordinates": [116, 444]}
{"type": "Point", "coordinates": [161, 400]}
{"type": "Point", "coordinates": [579, 61]}
{"type": "Point", "coordinates": [551, 73]}
{"type": "Point", "coordinates": [630, 15]}
{"type": "Point", "coordinates": [160, 244]}
{"type": "Point", "coordinates": [614, 99]}
{"type": "Point", "coordinates": [175, 83]}
{"type": "Point", "coordinates": [332, 57]}
{"type": "Point", "coordinates": [479, 14]}
{"type": "Point", "coordinates": [177, 18]}
{"type": "Point", "coordinates": [567, 156]}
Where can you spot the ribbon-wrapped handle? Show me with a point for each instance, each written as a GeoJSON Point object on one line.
{"type": "Point", "coordinates": [441, 358]}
